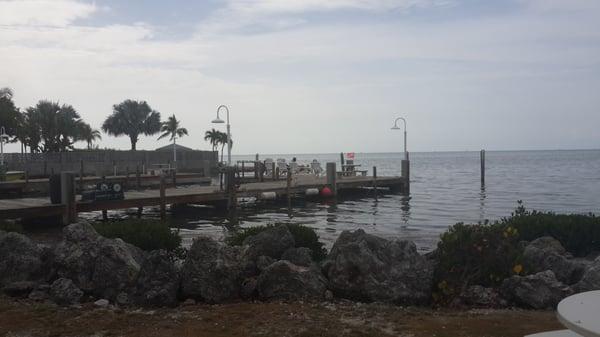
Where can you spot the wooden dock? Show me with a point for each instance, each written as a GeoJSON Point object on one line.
{"type": "Point", "coordinates": [41, 185]}
{"type": "Point", "coordinates": [295, 186]}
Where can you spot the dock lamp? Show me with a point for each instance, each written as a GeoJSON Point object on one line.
{"type": "Point", "coordinates": [218, 120]}
{"type": "Point", "coordinates": [3, 138]}
{"type": "Point", "coordinates": [396, 127]}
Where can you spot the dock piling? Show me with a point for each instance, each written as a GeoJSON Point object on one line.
{"type": "Point", "coordinates": [332, 177]}
{"type": "Point", "coordinates": [406, 174]}
{"type": "Point", "coordinates": [67, 197]}
{"type": "Point", "coordinates": [375, 181]}
{"type": "Point", "coordinates": [482, 162]}
{"type": "Point", "coordinates": [163, 206]}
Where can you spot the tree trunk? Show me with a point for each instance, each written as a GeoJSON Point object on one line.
{"type": "Point", "coordinates": [133, 143]}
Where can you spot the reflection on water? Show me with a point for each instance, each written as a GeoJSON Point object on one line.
{"type": "Point", "coordinates": [445, 189]}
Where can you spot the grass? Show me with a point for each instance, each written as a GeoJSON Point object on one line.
{"type": "Point", "coordinates": [144, 233]}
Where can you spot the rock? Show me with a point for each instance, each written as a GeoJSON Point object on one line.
{"type": "Point", "coordinates": [122, 299]}
{"type": "Point", "coordinates": [537, 291]}
{"type": "Point", "coordinates": [270, 242]}
{"type": "Point", "coordinates": [97, 265]}
{"type": "Point", "coordinates": [364, 267]}
{"type": "Point", "coordinates": [546, 253]}
{"type": "Point", "coordinates": [64, 292]}
{"type": "Point", "coordinates": [20, 259]}
{"type": "Point", "coordinates": [591, 278]}
{"type": "Point", "coordinates": [263, 261]}
{"type": "Point", "coordinates": [102, 303]}
{"type": "Point", "coordinates": [158, 281]}
{"type": "Point", "coordinates": [211, 272]}
{"type": "Point", "coordinates": [478, 296]}
{"type": "Point", "coordinates": [38, 295]}
{"type": "Point", "coordinates": [248, 290]}
{"type": "Point", "coordinates": [189, 302]}
{"type": "Point", "coordinates": [328, 295]}
{"type": "Point", "coordinates": [301, 256]}
{"type": "Point", "coordinates": [19, 288]}
{"type": "Point", "coordinates": [284, 280]}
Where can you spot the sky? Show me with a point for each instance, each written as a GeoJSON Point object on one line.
{"type": "Point", "coordinates": [315, 76]}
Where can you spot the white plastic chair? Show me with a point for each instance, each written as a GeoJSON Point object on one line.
{"type": "Point", "coordinates": [282, 166]}
{"type": "Point", "coordinates": [316, 168]}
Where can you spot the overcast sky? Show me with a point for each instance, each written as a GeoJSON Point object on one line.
{"type": "Point", "coordinates": [304, 76]}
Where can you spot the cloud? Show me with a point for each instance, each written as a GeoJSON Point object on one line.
{"type": "Point", "coordinates": [300, 6]}
{"type": "Point", "coordinates": [43, 12]}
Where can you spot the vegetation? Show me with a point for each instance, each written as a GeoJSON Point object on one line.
{"type": "Point", "coordinates": [304, 236]}
{"type": "Point", "coordinates": [9, 113]}
{"type": "Point", "coordinates": [171, 128]}
{"type": "Point", "coordinates": [216, 138]}
{"type": "Point", "coordinates": [132, 118]}
{"type": "Point", "coordinates": [485, 254]}
{"type": "Point", "coordinates": [10, 226]}
{"type": "Point", "coordinates": [143, 233]}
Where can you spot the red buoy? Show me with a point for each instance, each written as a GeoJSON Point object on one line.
{"type": "Point", "coordinates": [326, 192]}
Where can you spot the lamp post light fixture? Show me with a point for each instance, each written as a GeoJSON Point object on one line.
{"type": "Point", "coordinates": [218, 120]}
{"type": "Point", "coordinates": [3, 137]}
{"type": "Point", "coordinates": [395, 127]}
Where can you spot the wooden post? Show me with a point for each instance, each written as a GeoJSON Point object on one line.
{"type": "Point", "coordinates": [81, 175]}
{"type": "Point", "coordinates": [375, 180]}
{"type": "Point", "coordinates": [138, 179]}
{"type": "Point", "coordinates": [482, 162]}
{"type": "Point", "coordinates": [104, 215]}
{"type": "Point", "coordinates": [406, 175]}
{"type": "Point", "coordinates": [342, 160]}
{"type": "Point", "coordinates": [289, 188]}
{"type": "Point", "coordinates": [332, 177]}
{"type": "Point", "coordinates": [163, 206]}
{"type": "Point", "coordinates": [231, 189]}
{"type": "Point", "coordinates": [139, 212]}
{"type": "Point", "coordinates": [67, 197]}
{"type": "Point", "coordinates": [243, 170]}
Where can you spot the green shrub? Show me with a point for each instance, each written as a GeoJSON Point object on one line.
{"type": "Point", "coordinates": [10, 226]}
{"type": "Point", "coordinates": [578, 233]}
{"type": "Point", "coordinates": [304, 236]}
{"type": "Point", "coordinates": [482, 254]}
{"type": "Point", "coordinates": [143, 233]}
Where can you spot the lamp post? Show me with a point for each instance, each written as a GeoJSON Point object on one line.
{"type": "Point", "coordinates": [3, 137]}
{"type": "Point", "coordinates": [395, 127]}
{"type": "Point", "coordinates": [218, 120]}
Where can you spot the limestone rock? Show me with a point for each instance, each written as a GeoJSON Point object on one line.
{"type": "Point", "coordinates": [271, 242]}
{"type": "Point", "coordinates": [591, 278]}
{"type": "Point", "coordinates": [20, 259]}
{"type": "Point", "coordinates": [546, 253]}
{"type": "Point", "coordinates": [301, 256]}
{"type": "Point", "coordinates": [364, 267]}
{"type": "Point", "coordinates": [538, 291]}
{"type": "Point", "coordinates": [211, 271]}
{"type": "Point", "coordinates": [478, 296]}
{"type": "Point", "coordinates": [64, 292]}
{"type": "Point", "coordinates": [284, 280]}
{"type": "Point", "coordinates": [97, 265]}
{"type": "Point", "coordinates": [158, 281]}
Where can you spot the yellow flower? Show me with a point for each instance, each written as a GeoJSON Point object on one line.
{"type": "Point", "coordinates": [518, 269]}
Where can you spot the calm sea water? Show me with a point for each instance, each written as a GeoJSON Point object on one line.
{"type": "Point", "coordinates": [445, 189]}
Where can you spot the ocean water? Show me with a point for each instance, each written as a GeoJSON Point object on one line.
{"type": "Point", "coordinates": [445, 189]}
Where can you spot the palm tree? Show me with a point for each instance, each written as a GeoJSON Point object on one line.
{"type": "Point", "coordinates": [171, 128]}
{"type": "Point", "coordinates": [132, 118]}
{"type": "Point", "coordinates": [212, 136]}
{"type": "Point", "coordinates": [222, 139]}
{"type": "Point", "coordinates": [89, 135]}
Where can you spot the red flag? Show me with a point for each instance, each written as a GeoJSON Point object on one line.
{"type": "Point", "coordinates": [350, 155]}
